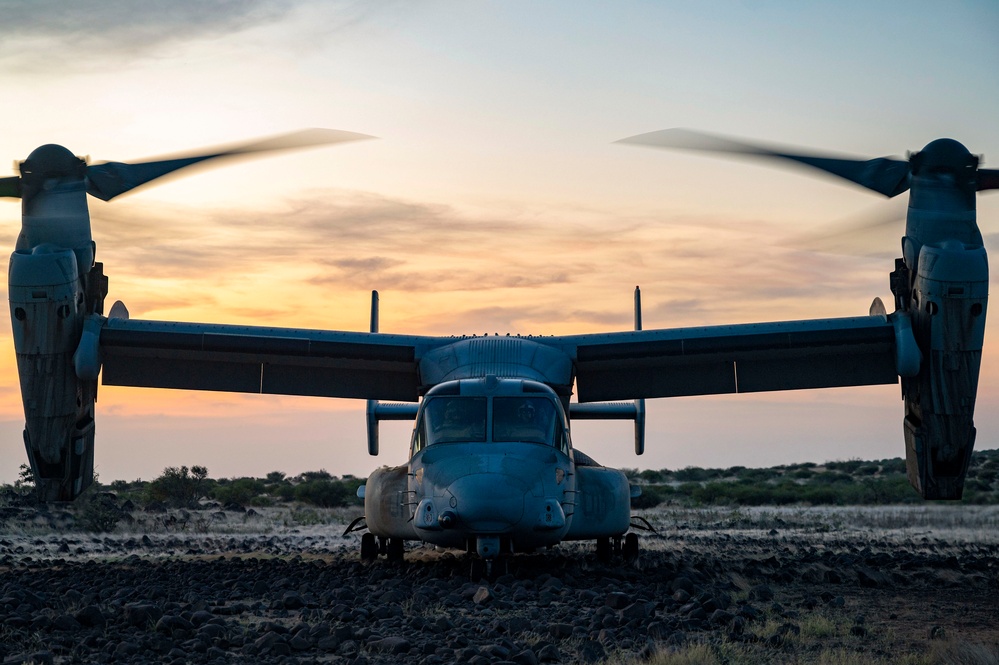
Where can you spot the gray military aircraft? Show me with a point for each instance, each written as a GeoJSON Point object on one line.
{"type": "Point", "coordinates": [492, 468]}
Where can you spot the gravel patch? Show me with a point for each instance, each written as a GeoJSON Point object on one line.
{"type": "Point", "coordinates": [302, 595]}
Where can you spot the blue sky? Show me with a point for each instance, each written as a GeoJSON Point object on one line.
{"type": "Point", "coordinates": [495, 198]}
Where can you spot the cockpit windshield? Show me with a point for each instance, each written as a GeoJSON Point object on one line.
{"type": "Point", "coordinates": [522, 418]}
{"type": "Point", "coordinates": [455, 419]}
{"type": "Point", "coordinates": [469, 419]}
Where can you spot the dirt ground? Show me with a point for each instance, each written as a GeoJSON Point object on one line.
{"type": "Point", "coordinates": [915, 585]}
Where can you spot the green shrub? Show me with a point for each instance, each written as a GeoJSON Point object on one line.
{"type": "Point", "coordinates": [894, 465]}
{"type": "Point", "coordinates": [651, 476]}
{"type": "Point", "coordinates": [323, 493]}
{"type": "Point", "coordinates": [100, 514]}
{"type": "Point", "coordinates": [178, 487]}
{"type": "Point", "coordinates": [849, 466]}
{"type": "Point", "coordinates": [652, 496]}
{"type": "Point", "coordinates": [240, 491]}
{"type": "Point", "coordinates": [695, 474]}
{"type": "Point", "coordinates": [830, 477]}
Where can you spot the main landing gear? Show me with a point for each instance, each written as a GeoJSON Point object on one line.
{"type": "Point", "coordinates": [392, 548]}
{"type": "Point", "coordinates": [606, 548]}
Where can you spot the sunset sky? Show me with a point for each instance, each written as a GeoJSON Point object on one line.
{"type": "Point", "coordinates": [495, 198]}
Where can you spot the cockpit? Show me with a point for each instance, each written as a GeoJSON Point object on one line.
{"type": "Point", "coordinates": [455, 416]}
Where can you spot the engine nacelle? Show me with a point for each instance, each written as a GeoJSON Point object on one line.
{"type": "Point", "coordinates": [47, 306]}
{"type": "Point", "coordinates": [947, 305]}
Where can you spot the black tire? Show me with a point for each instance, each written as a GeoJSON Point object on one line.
{"type": "Point", "coordinates": [501, 566]}
{"type": "Point", "coordinates": [396, 549]}
{"type": "Point", "coordinates": [369, 548]}
{"type": "Point", "coordinates": [630, 550]}
{"type": "Point", "coordinates": [478, 570]}
{"type": "Point", "coordinates": [604, 550]}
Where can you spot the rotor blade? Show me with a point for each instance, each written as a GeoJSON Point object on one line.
{"type": "Point", "coordinates": [988, 179]}
{"type": "Point", "coordinates": [110, 179]}
{"type": "Point", "coordinates": [10, 186]}
{"type": "Point", "coordinates": [883, 175]}
{"type": "Point", "coordinates": [874, 232]}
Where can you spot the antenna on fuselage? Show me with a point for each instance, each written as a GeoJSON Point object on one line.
{"type": "Point", "coordinates": [376, 410]}
{"type": "Point", "coordinates": [638, 308]}
{"type": "Point", "coordinates": [639, 403]}
{"type": "Point", "coordinates": [372, 407]}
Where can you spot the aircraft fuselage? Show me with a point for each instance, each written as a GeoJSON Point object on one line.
{"type": "Point", "coordinates": [492, 470]}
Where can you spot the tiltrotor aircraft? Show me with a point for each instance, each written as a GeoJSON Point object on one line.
{"type": "Point", "coordinates": [492, 468]}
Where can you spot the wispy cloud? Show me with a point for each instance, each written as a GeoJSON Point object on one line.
{"type": "Point", "coordinates": [276, 266]}
{"type": "Point", "coordinates": [63, 37]}
{"type": "Point", "coordinates": [85, 33]}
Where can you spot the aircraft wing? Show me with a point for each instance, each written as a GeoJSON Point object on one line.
{"type": "Point", "coordinates": [733, 359]}
{"type": "Point", "coordinates": [251, 359]}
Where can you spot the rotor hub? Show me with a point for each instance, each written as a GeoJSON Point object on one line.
{"type": "Point", "coordinates": [53, 161]}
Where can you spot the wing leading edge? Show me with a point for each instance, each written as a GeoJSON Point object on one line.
{"type": "Point", "coordinates": [744, 358]}
{"type": "Point", "coordinates": [758, 357]}
{"type": "Point", "coordinates": [251, 359]}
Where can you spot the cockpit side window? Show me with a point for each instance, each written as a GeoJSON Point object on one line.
{"type": "Point", "coordinates": [529, 419]}
{"type": "Point", "coordinates": [453, 419]}
{"type": "Point", "coordinates": [561, 436]}
{"type": "Point", "coordinates": [420, 436]}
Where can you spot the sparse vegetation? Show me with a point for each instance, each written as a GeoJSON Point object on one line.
{"type": "Point", "coordinates": [178, 487]}
{"type": "Point", "coordinates": [839, 483]}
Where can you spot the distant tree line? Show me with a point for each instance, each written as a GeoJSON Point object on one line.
{"type": "Point", "coordinates": [842, 483]}
{"type": "Point", "coordinates": [851, 482]}
{"type": "Point", "coordinates": [184, 488]}
{"type": "Point", "coordinates": [191, 487]}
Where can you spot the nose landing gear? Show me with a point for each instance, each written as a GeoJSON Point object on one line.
{"type": "Point", "coordinates": [488, 569]}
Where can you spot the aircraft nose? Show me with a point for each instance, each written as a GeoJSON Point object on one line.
{"type": "Point", "coordinates": [488, 502]}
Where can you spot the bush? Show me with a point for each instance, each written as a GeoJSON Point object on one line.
{"type": "Point", "coordinates": [830, 477]}
{"type": "Point", "coordinates": [757, 475]}
{"type": "Point", "coordinates": [321, 474]}
{"type": "Point", "coordinates": [651, 476]}
{"type": "Point", "coordinates": [323, 493]}
{"type": "Point", "coordinates": [240, 491]}
{"type": "Point", "coordinates": [694, 474]}
{"type": "Point", "coordinates": [100, 513]}
{"type": "Point", "coordinates": [25, 483]}
{"type": "Point", "coordinates": [652, 496]}
{"type": "Point", "coordinates": [986, 475]}
{"type": "Point", "coordinates": [849, 466]}
{"type": "Point", "coordinates": [178, 487]}
{"type": "Point", "coordinates": [894, 465]}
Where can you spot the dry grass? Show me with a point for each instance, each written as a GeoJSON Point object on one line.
{"type": "Point", "coordinates": [957, 522]}
{"type": "Point", "coordinates": [954, 652]}
{"type": "Point", "coordinates": [805, 651]}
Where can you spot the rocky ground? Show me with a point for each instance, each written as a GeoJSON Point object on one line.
{"type": "Point", "coordinates": [917, 585]}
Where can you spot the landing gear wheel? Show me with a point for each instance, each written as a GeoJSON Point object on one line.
{"type": "Point", "coordinates": [478, 570]}
{"type": "Point", "coordinates": [369, 548]}
{"type": "Point", "coordinates": [604, 550]}
{"type": "Point", "coordinates": [630, 550]}
{"type": "Point", "coordinates": [501, 567]}
{"type": "Point", "coordinates": [396, 548]}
